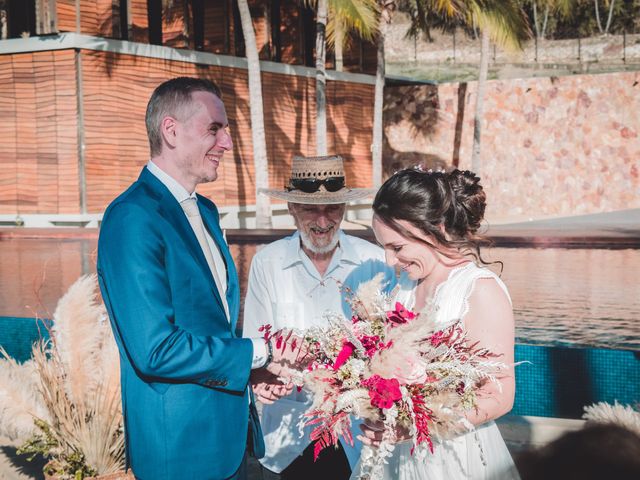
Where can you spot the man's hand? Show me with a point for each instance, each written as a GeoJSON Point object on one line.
{"type": "Point", "coordinates": [267, 387]}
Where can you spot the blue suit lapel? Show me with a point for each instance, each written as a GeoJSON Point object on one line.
{"type": "Point", "coordinates": [172, 211]}
{"type": "Point", "coordinates": [210, 219]}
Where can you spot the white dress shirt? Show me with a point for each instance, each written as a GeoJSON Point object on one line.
{"type": "Point", "coordinates": [181, 194]}
{"type": "Point", "coordinates": [286, 290]}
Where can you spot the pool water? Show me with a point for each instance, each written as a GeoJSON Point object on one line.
{"type": "Point", "coordinates": [561, 297]}
{"type": "Point", "coordinates": [588, 300]}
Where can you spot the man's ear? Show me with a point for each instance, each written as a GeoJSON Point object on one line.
{"type": "Point", "coordinates": [168, 128]}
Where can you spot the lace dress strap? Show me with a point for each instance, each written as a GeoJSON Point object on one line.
{"type": "Point", "coordinates": [452, 296]}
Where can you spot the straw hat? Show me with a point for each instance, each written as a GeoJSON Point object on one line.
{"type": "Point", "coordinates": [319, 169]}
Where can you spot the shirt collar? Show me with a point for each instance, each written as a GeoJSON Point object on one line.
{"type": "Point", "coordinates": [293, 252]}
{"type": "Point", "coordinates": [178, 191]}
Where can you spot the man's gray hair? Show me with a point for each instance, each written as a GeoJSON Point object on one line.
{"type": "Point", "coordinates": [172, 98]}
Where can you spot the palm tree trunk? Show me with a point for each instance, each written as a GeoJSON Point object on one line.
{"type": "Point", "coordinates": [339, 47]}
{"type": "Point", "coordinates": [263, 208]}
{"type": "Point", "coordinates": [376, 147]}
{"type": "Point", "coordinates": [606, 29]}
{"type": "Point", "coordinates": [543, 32]}
{"type": "Point", "coordinates": [477, 119]}
{"type": "Point", "coordinates": [535, 18]}
{"type": "Point", "coordinates": [321, 80]}
{"type": "Point", "coordinates": [598, 16]}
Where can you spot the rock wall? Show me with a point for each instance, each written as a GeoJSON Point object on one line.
{"type": "Point", "coordinates": [552, 146]}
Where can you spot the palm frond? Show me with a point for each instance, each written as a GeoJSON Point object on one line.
{"type": "Point", "coordinates": [354, 17]}
{"type": "Point", "coordinates": [504, 20]}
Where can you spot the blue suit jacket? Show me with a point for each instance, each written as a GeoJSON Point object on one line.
{"type": "Point", "coordinates": [184, 372]}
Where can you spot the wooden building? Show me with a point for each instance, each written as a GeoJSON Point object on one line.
{"type": "Point", "coordinates": [75, 77]}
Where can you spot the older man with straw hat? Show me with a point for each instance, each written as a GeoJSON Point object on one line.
{"type": "Point", "coordinates": [292, 283]}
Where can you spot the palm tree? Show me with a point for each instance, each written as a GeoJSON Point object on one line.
{"type": "Point", "coordinates": [261, 167]}
{"type": "Point", "coordinates": [321, 78]}
{"type": "Point", "coordinates": [504, 22]}
{"type": "Point", "coordinates": [604, 31]}
{"type": "Point", "coordinates": [387, 7]}
{"type": "Point", "coordinates": [337, 18]}
{"type": "Point", "coordinates": [346, 17]}
{"type": "Point", "coordinates": [501, 21]}
{"type": "Point", "coordinates": [550, 6]}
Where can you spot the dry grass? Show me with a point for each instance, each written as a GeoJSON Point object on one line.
{"type": "Point", "coordinates": [71, 388]}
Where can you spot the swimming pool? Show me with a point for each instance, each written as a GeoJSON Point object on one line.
{"type": "Point", "coordinates": [561, 297]}
{"type": "Point", "coordinates": [577, 314]}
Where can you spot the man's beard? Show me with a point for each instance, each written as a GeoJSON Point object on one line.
{"type": "Point", "coordinates": [328, 248]}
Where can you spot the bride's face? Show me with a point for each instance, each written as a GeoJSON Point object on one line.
{"type": "Point", "coordinates": [412, 256]}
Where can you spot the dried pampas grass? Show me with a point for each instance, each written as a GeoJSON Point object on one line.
{"type": "Point", "coordinates": [79, 424]}
{"type": "Point", "coordinates": [622, 415]}
{"type": "Point", "coordinates": [20, 400]}
{"type": "Point", "coordinates": [80, 331]}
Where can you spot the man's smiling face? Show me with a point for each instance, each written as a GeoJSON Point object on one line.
{"type": "Point", "coordinates": [318, 225]}
{"type": "Point", "coordinates": [203, 137]}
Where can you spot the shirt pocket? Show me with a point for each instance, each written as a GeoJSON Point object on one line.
{"type": "Point", "coordinates": [289, 315]}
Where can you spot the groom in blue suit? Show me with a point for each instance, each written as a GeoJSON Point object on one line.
{"type": "Point", "coordinates": [171, 289]}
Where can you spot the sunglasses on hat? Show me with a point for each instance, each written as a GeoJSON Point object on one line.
{"type": "Point", "coordinates": [312, 185]}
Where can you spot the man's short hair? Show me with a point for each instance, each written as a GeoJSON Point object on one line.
{"type": "Point", "coordinates": [172, 98]}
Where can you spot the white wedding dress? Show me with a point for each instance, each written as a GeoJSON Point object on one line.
{"type": "Point", "coordinates": [478, 455]}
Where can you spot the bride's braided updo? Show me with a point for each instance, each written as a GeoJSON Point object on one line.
{"type": "Point", "coordinates": [431, 199]}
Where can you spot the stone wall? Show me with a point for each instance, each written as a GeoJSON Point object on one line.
{"type": "Point", "coordinates": [552, 146]}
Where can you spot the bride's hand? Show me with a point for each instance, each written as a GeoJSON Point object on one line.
{"type": "Point", "coordinates": [372, 433]}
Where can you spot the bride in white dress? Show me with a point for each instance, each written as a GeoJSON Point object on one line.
{"type": "Point", "coordinates": [427, 224]}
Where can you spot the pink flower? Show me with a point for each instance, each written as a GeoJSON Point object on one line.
{"type": "Point", "coordinates": [371, 344]}
{"type": "Point", "coordinates": [400, 315]}
{"type": "Point", "coordinates": [383, 391]}
{"type": "Point", "coordinates": [412, 371]}
{"type": "Point", "coordinates": [343, 356]}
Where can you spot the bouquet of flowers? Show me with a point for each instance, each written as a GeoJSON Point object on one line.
{"type": "Point", "coordinates": [393, 366]}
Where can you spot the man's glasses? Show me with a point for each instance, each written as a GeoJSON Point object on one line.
{"type": "Point", "coordinates": [312, 185]}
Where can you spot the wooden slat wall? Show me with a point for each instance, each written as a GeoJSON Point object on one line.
{"type": "Point", "coordinates": [173, 25]}
{"type": "Point", "coordinates": [97, 17]}
{"type": "Point", "coordinates": [66, 120]}
{"type": "Point", "coordinates": [291, 33]}
{"type": "Point", "coordinates": [100, 18]}
{"type": "Point", "coordinates": [8, 145]}
{"type": "Point", "coordinates": [139, 21]}
{"type": "Point", "coordinates": [261, 26]}
{"type": "Point", "coordinates": [216, 20]}
{"type": "Point", "coordinates": [350, 127]}
{"type": "Point", "coordinates": [88, 16]}
{"type": "Point", "coordinates": [66, 15]}
{"type": "Point", "coordinates": [39, 156]}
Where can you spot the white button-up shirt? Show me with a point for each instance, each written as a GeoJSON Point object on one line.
{"type": "Point", "coordinates": [180, 194]}
{"type": "Point", "coordinates": [286, 290]}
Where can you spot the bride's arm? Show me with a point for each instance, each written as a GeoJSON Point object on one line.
{"type": "Point", "coordinates": [489, 322]}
